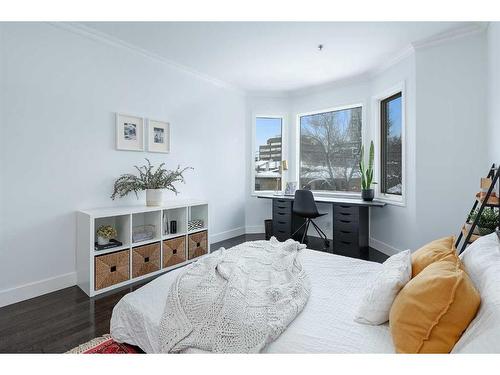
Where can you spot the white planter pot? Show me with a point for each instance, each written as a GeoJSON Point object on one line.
{"type": "Point", "coordinates": [102, 240]}
{"type": "Point", "coordinates": [154, 197]}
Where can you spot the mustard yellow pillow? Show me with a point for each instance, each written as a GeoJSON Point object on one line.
{"type": "Point", "coordinates": [433, 309]}
{"type": "Point", "coordinates": [442, 249]}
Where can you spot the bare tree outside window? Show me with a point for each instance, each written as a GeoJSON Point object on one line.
{"type": "Point", "coordinates": [330, 144]}
{"type": "Point", "coordinates": [391, 145]}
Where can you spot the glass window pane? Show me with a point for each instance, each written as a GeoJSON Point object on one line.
{"type": "Point", "coordinates": [392, 146]}
{"type": "Point", "coordinates": [330, 144]}
{"type": "Point", "coordinates": [267, 153]}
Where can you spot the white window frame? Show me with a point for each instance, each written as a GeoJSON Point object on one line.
{"type": "Point", "coordinates": [284, 150]}
{"type": "Point", "coordinates": [397, 200]}
{"type": "Point", "coordinates": [329, 193]}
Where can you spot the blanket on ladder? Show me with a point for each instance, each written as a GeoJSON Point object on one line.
{"type": "Point", "coordinates": [236, 300]}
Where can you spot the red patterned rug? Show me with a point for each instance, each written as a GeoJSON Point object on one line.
{"type": "Point", "coordinates": [105, 345]}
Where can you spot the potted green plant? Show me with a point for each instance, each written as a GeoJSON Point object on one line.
{"type": "Point", "coordinates": [367, 193]}
{"type": "Point", "coordinates": [154, 182]}
{"type": "Point", "coordinates": [105, 233]}
{"type": "Point", "coordinates": [487, 222]}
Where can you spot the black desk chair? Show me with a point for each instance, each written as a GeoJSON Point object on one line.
{"type": "Point", "coordinates": [305, 206]}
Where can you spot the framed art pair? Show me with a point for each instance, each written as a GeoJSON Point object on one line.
{"type": "Point", "coordinates": [130, 134]}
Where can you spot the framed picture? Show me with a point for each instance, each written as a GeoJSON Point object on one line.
{"type": "Point", "coordinates": [158, 136]}
{"type": "Point", "coordinates": [290, 188]}
{"type": "Point", "coordinates": [129, 133]}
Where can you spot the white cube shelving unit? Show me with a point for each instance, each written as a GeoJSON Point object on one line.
{"type": "Point", "coordinates": [124, 220]}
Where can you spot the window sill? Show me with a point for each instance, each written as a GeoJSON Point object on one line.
{"type": "Point", "coordinates": [392, 200]}
{"type": "Point", "coordinates": [336, 194]}
{"type": "Point", "coordinates": [315, 193]}
{"type": "Point", "coordinates": [264, 192]}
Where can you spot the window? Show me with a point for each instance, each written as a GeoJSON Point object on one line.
{"type": "Point", "coordinates": [391, 145]}
{"type": "Point", "coordinates": [267, 153]}
{"type": "Point", "coordinates": [330, 144]}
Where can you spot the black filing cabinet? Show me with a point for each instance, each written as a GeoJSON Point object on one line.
{"type": "Point", "coordinates": [350, 228]}
{"type": "Point", "coordinates": [282, 218]}
{"type": "Point", "coordinates": [285, 223]}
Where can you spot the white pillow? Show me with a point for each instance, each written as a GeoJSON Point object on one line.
{"type": "Point", "coordinates": [482, 262]}
{"type": "Point", "coordinates": [381, 291]}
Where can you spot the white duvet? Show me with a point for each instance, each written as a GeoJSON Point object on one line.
{"type": "Point", "coordinates": [325, 325]}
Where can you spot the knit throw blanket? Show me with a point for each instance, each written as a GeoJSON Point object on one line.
{"type": "Point", "coordinates": [236, 300]}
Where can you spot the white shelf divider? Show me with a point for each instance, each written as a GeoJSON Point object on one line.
{"type": "Point", "coordinates": [146, 242]}
{"type": "Point", "coordinates": [111, 250]}
{"type": "Point", "coordinates": [174, 235]}
{"type": "Point", "coordinates": [197, 230]}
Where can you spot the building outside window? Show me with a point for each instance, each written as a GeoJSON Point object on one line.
{"type": "Point", "coordinates": [268, 153]}
{"type": "Point", "coordinates": [330, 145]}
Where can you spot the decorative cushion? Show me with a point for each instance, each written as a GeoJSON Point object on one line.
{"type": "Point", "coordinates": [442, 249]}
{"type": "Point", "coordinates": [381, 291]}
{"type": "Point", "coordinates": [433, 309]}
{"type": "Point", "coordinates": [482, 262]}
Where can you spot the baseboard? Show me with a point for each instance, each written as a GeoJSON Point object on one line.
{"type": "Point", "coordinates": [36, 288]}
{"type": "Point", "coordinates": [255, 229]}
{"type": "Point", "coordinates": [383, 247]}
{"type": "Point", "coordinates": [227, 234]}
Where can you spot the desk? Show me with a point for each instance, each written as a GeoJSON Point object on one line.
{"type": "Point", "coordinates": [350, 220]}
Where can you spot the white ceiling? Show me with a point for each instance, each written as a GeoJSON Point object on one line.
{"type": "Point", "coordinates": [275, 56]}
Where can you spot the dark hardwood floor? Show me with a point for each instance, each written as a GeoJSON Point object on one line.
{"type": "Point", "coordinates": [59, 321]}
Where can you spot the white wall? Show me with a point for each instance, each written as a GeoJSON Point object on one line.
{"type": "Point", "coordinates": [59, 94]}
{"type": "Point", "coordinates": [451, 153]}
{"type": "Point", "coordinates": [494, 92]}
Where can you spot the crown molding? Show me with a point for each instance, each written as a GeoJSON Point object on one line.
{"type": "Point", "coordinates": [456, 33]}
{"type": "Point", "coordinates": [88, 32]}
{"type": "Point", "coordinates": [395, 59]}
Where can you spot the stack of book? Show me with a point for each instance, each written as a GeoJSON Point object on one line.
{"type": "Point", "coordinates": [109, 245]}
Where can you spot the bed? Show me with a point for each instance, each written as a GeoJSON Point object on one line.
{"type": "Point", "coordinates": [325, 325]}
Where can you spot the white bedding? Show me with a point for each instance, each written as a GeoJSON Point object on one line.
{"type": "Point", "coordinates": [325, 325]}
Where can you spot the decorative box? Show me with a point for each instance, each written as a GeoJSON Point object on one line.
{"type": "Point", "coordinates": [195, 224]}
{"type": "Point", "coordinates": [197, 244]}
{"type": "Point", "coordinates": [145, 259]}
{"type": "Point", "coordinates": [174, 251]}
{"type": "Point", "coordinates": [111, 269]}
